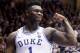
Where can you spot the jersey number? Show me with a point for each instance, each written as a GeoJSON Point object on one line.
{"type": "Point", "coordinates": [30, 49]}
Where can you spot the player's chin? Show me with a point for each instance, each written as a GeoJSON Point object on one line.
{"type": "Point", "coordinates": [39, 18]}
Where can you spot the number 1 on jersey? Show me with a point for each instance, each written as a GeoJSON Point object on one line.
{"type": "Point", "coordinates": [30, 49]}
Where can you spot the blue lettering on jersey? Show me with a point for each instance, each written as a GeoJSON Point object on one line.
{"type": "Point", "coordinates": [30, 42]}
{"type": "Point", "coordinates": [20, 43]}
{"type": "Point", "coordinates": [26, 42]}
{"type": "Point", "coordinates": [39, 41]}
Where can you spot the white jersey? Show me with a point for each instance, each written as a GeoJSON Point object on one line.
{"type": "Point", "coordinates": [32, 42]}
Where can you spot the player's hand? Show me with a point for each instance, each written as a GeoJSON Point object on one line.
{"type": "Point", "coordinates": [59, 17]}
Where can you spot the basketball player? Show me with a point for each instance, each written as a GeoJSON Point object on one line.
{"type": "Point", "coordinates": [32, 38]}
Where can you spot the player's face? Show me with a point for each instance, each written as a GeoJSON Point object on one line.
{"type": "Point", "coordinates": [36, 12]}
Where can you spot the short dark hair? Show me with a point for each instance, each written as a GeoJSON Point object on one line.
{"type": "Point", "coordinates": [28, 5]}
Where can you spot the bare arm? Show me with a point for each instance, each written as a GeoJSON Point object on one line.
{"type": "Point", "coordinates": [63, 38]}
{"type": "Point", "coordinates": [78, 35]}
{"type": "Point", "coordinates": [10, 42]}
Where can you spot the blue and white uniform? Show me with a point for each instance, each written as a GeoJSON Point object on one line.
{"type": "Point", "coordinates": [32, 42]}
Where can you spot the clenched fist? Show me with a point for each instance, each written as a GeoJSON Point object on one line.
{"type": "Point", "coordinates": [59, 17]}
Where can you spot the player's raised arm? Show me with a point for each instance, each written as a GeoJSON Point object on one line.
{"type": "Point", "coordinates": [63, 38]}
{"type": "Point", "coordinates": [10, 43]}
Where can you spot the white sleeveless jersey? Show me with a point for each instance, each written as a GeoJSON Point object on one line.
{"type": "Point", "coordinates": [32, 42]}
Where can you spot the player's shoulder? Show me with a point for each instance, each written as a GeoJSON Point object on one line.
{"type": "Point", "coordinates": [49, 30]}
{"type": "Point", "coordinates": [12, 35]}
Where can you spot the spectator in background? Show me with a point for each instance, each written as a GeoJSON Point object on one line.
{"type": "Point", "coordinates": [2, 45]}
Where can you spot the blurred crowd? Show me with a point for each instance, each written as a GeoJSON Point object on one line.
{"type": "Point", "coordinates": [12, 17]}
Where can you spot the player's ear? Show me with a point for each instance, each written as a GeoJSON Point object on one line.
{"type": "Point", "coordinates": [28, 12]}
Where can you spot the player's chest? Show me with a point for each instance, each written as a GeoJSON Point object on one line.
{"type": "Point", "coordinates": [29, 39]}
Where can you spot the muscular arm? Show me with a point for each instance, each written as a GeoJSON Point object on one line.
{"type": "Point", "coordinates": [62, 38]}
{"type": "Point", "coordinates": [78, 38]}
{"type": "Point", "coordinates": [78, 35]}
{"type": "Point", "coordinates": [10, 42]}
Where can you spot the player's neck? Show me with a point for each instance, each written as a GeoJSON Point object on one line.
{"type": "Point", "coordinates": [31, 27]}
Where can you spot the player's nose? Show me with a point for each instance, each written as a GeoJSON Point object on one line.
{"type": "Point", "coordinates": [39, 13]}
